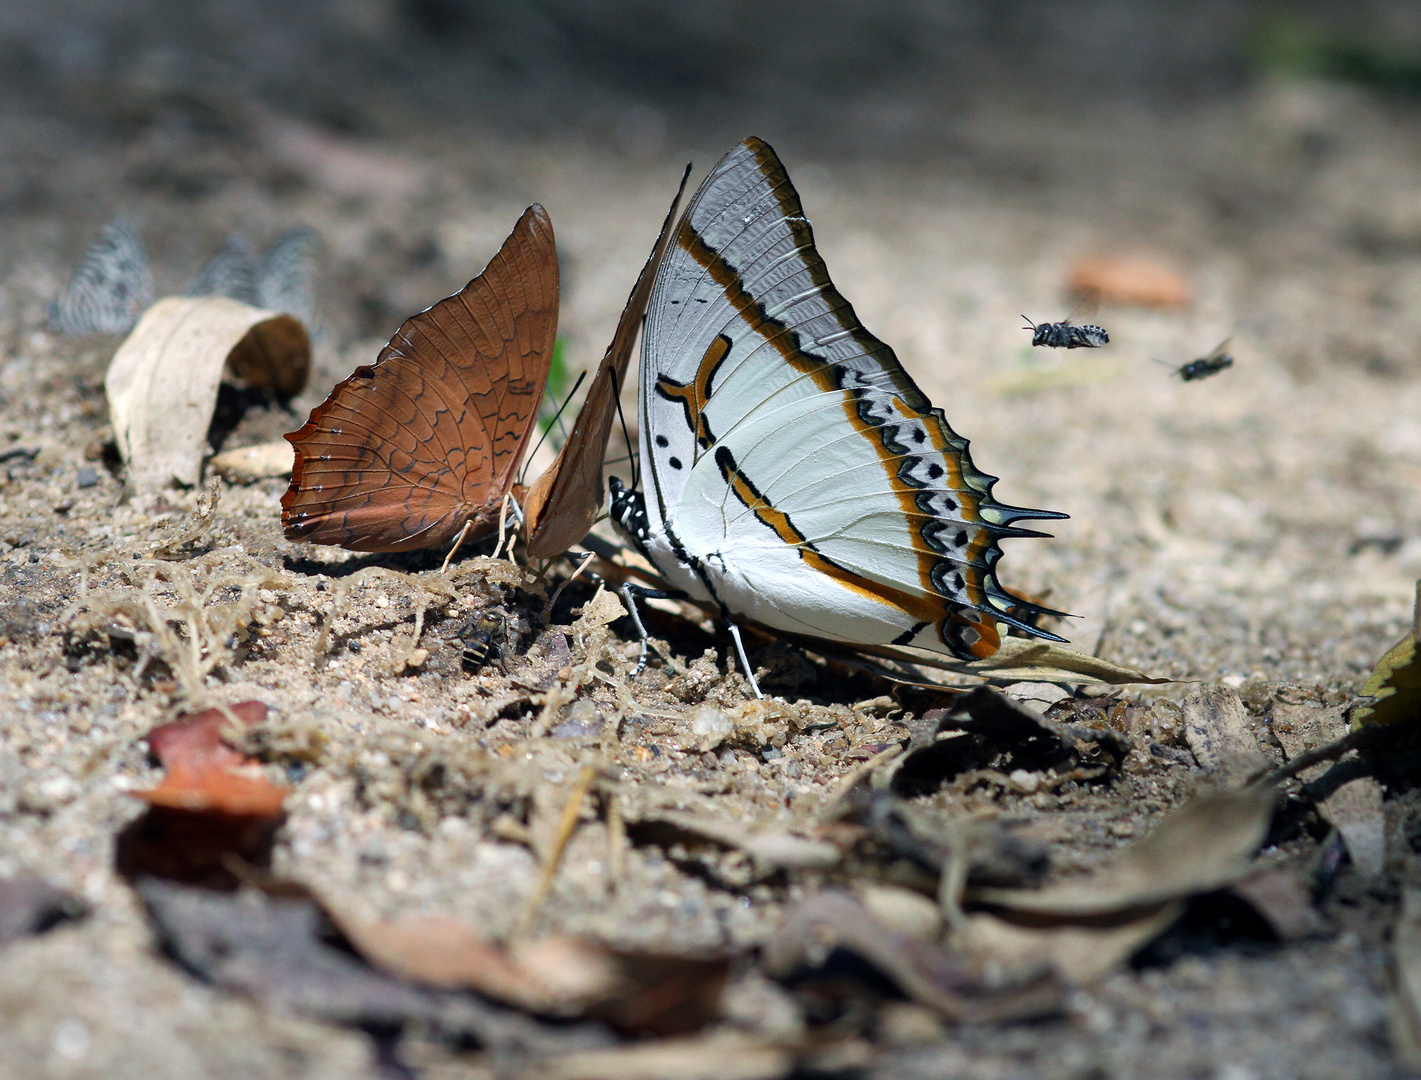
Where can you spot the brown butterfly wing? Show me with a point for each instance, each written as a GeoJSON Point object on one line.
{"type": "Point", "coordinates": [563, 502]}
{"type": "Point", "coordinates": [407, 450]}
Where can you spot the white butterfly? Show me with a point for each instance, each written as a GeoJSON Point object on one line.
{"type": "Point", "coordinates": [110, 286]}
{"type": "Point", "coordinates": [795, 475]}
{"type": "Point", "coordinates": [281, 279]}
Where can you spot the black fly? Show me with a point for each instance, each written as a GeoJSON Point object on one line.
{"type": "Point", "coordinates": [1069, 334]}
{"type": "Point", "coordinates": [1212, 364]}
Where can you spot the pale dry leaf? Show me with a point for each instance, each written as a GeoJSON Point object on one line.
{"type": "Point", "coordinates": [259, 462]}
{"type": "Point", "coordinates": [718, 1056]}
{"type": "Point", "coordinates": [1078, 954]}
{"type": "Point", "coordinates": [162, 383]}
{"type": "Point", "coordinates": [770, 849]}
{"type": "Point", "coordinates": [1300, 727]}
{"type": "Point", "coordinates": [941, 979]}
{"type": "Point", "coordinates": [1355, 811]}
{"type": "Point", "coordinates": [553, 976]}
{"type": "Point", "coordinates": [1203, 846]}
{"type": "Point", "coordinates": [1283, 896]}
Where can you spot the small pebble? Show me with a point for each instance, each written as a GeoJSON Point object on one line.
{"type": "Point", "coordinates": [87, 477]}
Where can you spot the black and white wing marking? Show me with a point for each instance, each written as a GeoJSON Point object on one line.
{"type": "Point", "coordinates": [110, 287]}
{"type": "Point", "coordinates": [795, 473]}
{"type": "Point", "coordinates": [286, 277]}
{"type": "Point", "coordinates": [232, 272]}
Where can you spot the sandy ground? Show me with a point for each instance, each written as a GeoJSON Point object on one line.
{"type": "Point", "coordinates": [1259, 529]}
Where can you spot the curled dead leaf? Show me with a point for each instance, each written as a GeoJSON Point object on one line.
{"type": "Point", "coordinates": [162, 383]}
{"type": "Point", "coordinates": [212, 806]}
{"type": "Point", "coordinates": [941, 979]}
{"type": "Point", "coordinates": [1202, 846]}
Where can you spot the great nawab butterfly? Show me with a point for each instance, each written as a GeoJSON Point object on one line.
{"type": "Point", "coordinates": [795, 476]}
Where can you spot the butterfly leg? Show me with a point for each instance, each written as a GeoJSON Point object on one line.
{"type": "Point", "coordinates": [587, 557]}
{"type": "Point", "coordinates": [744, 663]}
{"type": "Point", "coordinates": [629, 592]}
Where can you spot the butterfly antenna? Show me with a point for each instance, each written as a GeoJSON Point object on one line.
{"type": "Point", "coordinates": [543, 437]}
{"type": "Point", "coordinates": [626, 435]}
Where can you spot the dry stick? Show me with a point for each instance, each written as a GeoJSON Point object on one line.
{"type": "Point", "coordinates": [616, 839]}
{"type": "Point", "coordinates": [462, 533]}
{"type": "Point", "coordinates": [567, 824]}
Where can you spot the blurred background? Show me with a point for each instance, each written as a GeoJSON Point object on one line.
{"type": "Point", "coordinates": [1246, 170]}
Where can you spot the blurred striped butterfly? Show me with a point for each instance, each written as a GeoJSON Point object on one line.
{"type": "Point", "coordinates": [109, 288]}
{"type": "Point", "coordinates": [795, 475]}
{"type": "Point", "coordinates": [280, 279]}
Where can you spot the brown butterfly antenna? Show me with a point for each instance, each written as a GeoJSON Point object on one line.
{"type": "Point", "coordinates": [408, 451]}
{"type": "Point", "coordinates": [563, 503]}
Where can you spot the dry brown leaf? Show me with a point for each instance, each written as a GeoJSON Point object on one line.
{"type": "Point", "coordinates": [1078, 954]}
{"type": "Point", "coordinates": [1217, 730]}
{"type": "Point", "coordinates": [211, 808]}
{"type": "Point", "coordinates": [939, 978]}
{"type": "Point", "coordinates": [1140, 279]}
{"type": "Point", "coordinates": [1354, 807]}
{"type": "Point", "coordinates": [554, 976]}
{"type": "Point", "coordinates": [258, 462]}
{"type": "Point", "coordinates": [1203, 846]}
{"type": "Point", "coordinates": [162, 383]}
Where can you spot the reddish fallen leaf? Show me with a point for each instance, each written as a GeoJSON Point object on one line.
{"type": "Point", "coordinates": [204, 773]}
{"type": "Point", "coordinates": [1138, 279]}
{"type": "Point", "coordinates": [212, 810]}
{"type": "Point", "coordinates": [195, 737]}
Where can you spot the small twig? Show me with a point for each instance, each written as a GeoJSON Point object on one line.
{"type": "Point", "coordinates": [567, 824]}
{"type": "Point", "coordinates": [616, 838]}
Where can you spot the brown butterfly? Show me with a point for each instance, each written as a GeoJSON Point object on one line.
{"type": "Point", "coordinates": [409, 450]}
